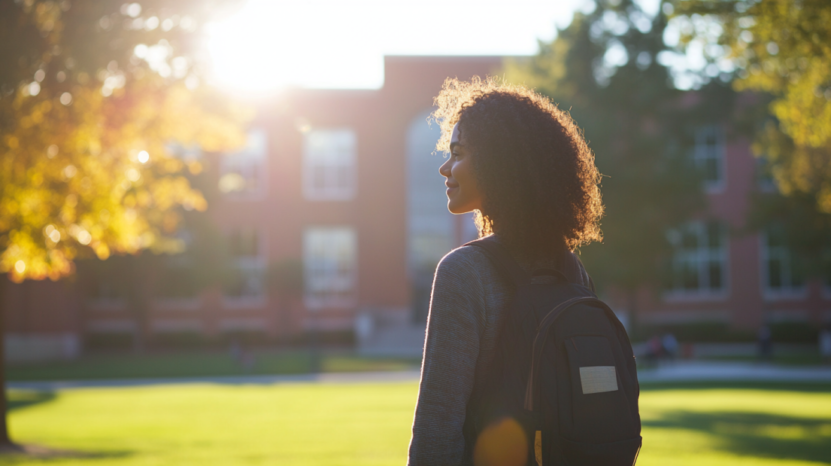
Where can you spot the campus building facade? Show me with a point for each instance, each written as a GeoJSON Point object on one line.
{"type": "Point", "coordinates": [342, 188]}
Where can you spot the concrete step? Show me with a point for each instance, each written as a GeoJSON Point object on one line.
{"type": "Point", "coordinates": [404, 340]}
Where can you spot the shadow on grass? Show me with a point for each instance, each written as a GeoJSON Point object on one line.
{"type": "Point", "coordinates": [20, 399]}
{"type": "Point", "coordinates": [26, 453]}
{"type": "Point", "coordinates": [757, 434]}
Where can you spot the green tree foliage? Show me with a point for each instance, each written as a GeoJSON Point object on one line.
{"type": "Point", "coordinates": [95, 98]}
{"type": "Point", "coordinates": [782, 50]}
{"type": "Point", "coordinates": [603, 67]}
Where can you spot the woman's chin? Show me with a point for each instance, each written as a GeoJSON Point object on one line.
{"type": "Point", "coordinates": [456, 209]}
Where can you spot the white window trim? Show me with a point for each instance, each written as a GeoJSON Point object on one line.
{"type": "Point", "coordinates": [312, 194]}
{"type": "Point", "coordinates": [707, 294]}
{"type": "Point", "coordinates": [262, 190]}
{"type": "Point", "coordinates": [770, 294]}
{"type": "Point", "coordinates": [314, 303]}
{"type": "Point", "coordinates": [709, 186]}
{"type": "Point", "coordinates": [258, 262]}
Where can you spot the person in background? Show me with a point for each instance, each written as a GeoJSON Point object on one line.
{"type": "Point", "coordinates": [765, 340]}
{"type": "Point", "coordinates": [670, 345]}
{"type": "Point", "coordinates": [654, 350]}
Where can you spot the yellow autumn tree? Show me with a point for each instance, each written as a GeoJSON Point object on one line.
{"type": "Point", "coordinates": [97, 174]}
{"type": "Point", "coordinates": [99, 100]}
{"type": "Point", "coordinates": [781, 48]}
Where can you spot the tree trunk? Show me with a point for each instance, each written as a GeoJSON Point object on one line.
{"type": "Point", "coordinates": [5, 440]}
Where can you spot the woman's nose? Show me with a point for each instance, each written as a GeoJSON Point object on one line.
{"type": "Point", "coordinates": [444, 169]}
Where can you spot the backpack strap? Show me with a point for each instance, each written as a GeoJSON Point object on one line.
{"type": "Point", "coordinates": [508, 266]}
{"type": "Point", "coordinates": [502, 259]}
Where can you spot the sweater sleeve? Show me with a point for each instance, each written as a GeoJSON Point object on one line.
{"type": "Point", "coordinates": [450, 353]}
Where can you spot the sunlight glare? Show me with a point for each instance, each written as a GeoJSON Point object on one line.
{"type": "Point", "coordinates": [267, 46]}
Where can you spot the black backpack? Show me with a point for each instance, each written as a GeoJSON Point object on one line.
{"type": "Point", "coordinates": [563, 368]}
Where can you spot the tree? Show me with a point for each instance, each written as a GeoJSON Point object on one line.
{"type": "Point", "coordinates": [96, 100]}
{"type": "Point", "coordinates": [782, 50]}
{"type": "Point", "coordinates": [603, 68]}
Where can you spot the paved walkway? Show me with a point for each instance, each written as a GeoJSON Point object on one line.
{"type": "Point", "coordinates": [683, 371]}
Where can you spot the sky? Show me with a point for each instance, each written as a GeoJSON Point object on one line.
{"type": "Point", "coordinates": [268, 45]}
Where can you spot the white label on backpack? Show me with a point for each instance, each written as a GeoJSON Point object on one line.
{"type": "Point", "coordinates": [598, 379]}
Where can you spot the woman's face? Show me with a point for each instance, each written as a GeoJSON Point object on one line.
{"type": "Point", "coordinates": [462, 190]}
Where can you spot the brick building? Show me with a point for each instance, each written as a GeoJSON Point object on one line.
{"type": "Point", "coordinates": [343, 184]}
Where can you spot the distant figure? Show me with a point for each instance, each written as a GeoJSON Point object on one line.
{"type": "Point", "coordinates": [670, 345]}
{"type": "Point", "coordinates": [765, 343]}
{"type": "Point", "coordinates": [364, 326]}
{"type": "Point", "coordinates": [825, 345]}
{"type": "Point", "coordinates": [654, 350]}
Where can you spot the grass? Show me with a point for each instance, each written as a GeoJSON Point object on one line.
{"type": "Point", "coordinates": [369, 424]}
{"type": "Point", "coordinates": [200, 364]}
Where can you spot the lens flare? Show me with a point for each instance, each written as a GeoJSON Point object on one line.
{"type": "Point", "coordinates": [502, 443]}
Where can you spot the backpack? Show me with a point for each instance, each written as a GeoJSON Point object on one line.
{"type": "Point", "coordinates": [563, 369]}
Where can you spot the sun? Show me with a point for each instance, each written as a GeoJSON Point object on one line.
{"type": "Point", "coordinates": [269, 45]}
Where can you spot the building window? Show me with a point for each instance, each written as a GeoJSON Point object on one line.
{"type": "Point", "coordinates": [708, 154]}
{"type": "Point", "coordinates": [178, 280]}
{"type": "Point", "coordinates": [243, 173]}
{"type": "Point", "coordinates": [329, 256]}
{"type": "Point", "coordinates": [781, 270]}
{"type": "Point", "coordinates": [699, 261]}
{"type": "Point", "coordinates": [764, 177]}
{"type": "Point", "coordinates": [177, 274]}
{"type": "Point", "coordinates": [110, 282]}
{"type": "Point", "coordinates": [329, 165]}
{"type": "Point", "coordinates": [248, 277]}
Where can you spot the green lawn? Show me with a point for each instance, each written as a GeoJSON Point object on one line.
{"type": "Point", "coordinates": [201, 364]}
{"type": "Point", "coordinates": [368, 424]}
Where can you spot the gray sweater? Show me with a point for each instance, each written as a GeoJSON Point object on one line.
{"type": "Point", "coordinates": [466, 308]}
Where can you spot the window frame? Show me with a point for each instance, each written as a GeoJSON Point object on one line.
{"type": "Point", "coordinates": [702, 153]}
{"type": "Point", "coordinates": [702, 256]}
{"type": "Point", "coordinates": [315, 163]}
{"type": "Point", "coordinates": [783, 293]}
{"type": "Point", "coordinates": [344, 300]}
{"type": "Point", "coordinates": [254, 264]}
{"type": "Point", "coordinates": [250, 158]}
{"type": "Point", "coordinates": [184, 263]}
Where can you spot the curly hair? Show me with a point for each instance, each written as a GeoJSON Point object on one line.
{"type": "Point", "coordinates": [537, 175]}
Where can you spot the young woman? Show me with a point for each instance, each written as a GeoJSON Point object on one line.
{"type": "Point", "coordinates": [523, 167]}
